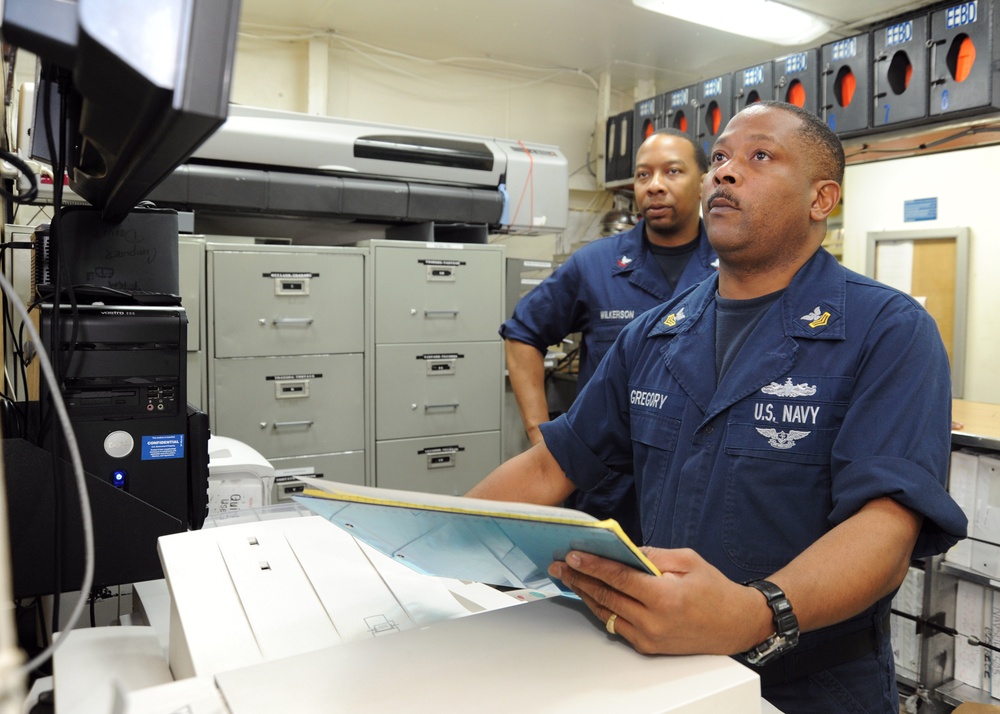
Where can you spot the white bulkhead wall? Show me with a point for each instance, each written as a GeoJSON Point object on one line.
{"type": "Point", "coordinates": [964, 183]}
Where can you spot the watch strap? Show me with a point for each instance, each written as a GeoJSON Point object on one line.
{"type": "Point", "coordinates": [786, 624]}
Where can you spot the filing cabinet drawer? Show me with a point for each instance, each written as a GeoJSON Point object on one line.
{"type": "Point", "coordinates": [437, 388]}
{"type": "Point", "coordinates": [443, 464]}
{"type": "Point", "coordinates": [437, 295]}
{"type": "Point", "coordinates": [300, 303]}
{"type": "Point", "coordinates": [345, 467]}
{"type": "Point", "coordinates": [288, 406]}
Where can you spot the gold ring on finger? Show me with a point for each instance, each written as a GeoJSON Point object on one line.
{"type": "Point", "coordinates": [610, 624]}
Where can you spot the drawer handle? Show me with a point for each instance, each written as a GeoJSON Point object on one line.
{"type": "Point", "coordinates": [441, 313]}
{"type": "Point", "coordinates": [279, 321]}
{"type": "Point", "coordinates": [443, 460]}
{"type": "Point", "coordinates": [292, 424]}
{"type": "Point", "coordinates": [452, 405]}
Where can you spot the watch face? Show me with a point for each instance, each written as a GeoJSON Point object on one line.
{"type": "Point", "coordinates": [766, 650]}
{"type": "Point", "coordinates": [771, 648]}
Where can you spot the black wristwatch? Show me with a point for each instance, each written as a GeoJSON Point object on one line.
{"type": "Point", "coordinates": [786, 625]}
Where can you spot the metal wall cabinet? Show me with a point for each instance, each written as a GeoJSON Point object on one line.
{"type": "Point", "coordinates": [287, 355]}
{"type": "Point", "coordinates": [438, 363]}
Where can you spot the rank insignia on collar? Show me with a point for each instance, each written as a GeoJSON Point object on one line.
{"type": "Point", "coordinates": [816, 318]}
{"type": "Point", "coordinates": [624, 261]}
{"type": "Point", "coordinates": [674, 317]}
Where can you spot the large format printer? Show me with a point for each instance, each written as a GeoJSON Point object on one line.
{"type": "Point", "coordinates": [288, 164]}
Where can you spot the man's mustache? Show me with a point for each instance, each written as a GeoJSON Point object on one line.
{"type": "Point", "coordinates": [725, 195]}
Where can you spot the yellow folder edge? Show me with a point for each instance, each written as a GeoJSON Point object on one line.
{"type": "Point", "coordinates": [609, 524]}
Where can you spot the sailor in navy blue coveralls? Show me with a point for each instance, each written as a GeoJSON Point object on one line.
{"type": "Point", "coordinates": [845, 404]}
{"type": "Point", "coordinates": [812, 454]}
{"type": "Point", "coordinates": [598, 290]}
{"type": "Point", "coordinates": [601, 288]}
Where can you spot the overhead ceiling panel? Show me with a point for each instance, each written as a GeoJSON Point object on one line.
{"type": "Point", "coordinates": [592, 36]}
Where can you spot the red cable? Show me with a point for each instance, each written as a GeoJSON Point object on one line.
{"type": "Point", "coordinates": [530, 179]}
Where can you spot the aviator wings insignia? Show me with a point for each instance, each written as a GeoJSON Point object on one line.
{"type": "Point", "coordinates": [782, 439]}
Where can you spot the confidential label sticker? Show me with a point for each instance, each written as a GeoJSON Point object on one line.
{"type": "Point", "coordinates": [164, 446]}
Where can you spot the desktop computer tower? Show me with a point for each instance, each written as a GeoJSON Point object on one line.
{"type": "Point", "coordinates": [123, 372]}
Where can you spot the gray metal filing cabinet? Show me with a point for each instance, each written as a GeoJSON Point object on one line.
{"type": "Point", "coordinates": [191, 271]}
{"type": "Point", "coordinates": [438, 363]}
{"type": "Point", "coordinates": [287, 346]}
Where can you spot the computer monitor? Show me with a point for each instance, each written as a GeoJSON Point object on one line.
{"type": "Point", "coordinates": [143, 84]}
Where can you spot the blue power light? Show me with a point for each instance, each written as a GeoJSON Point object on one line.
{"type": "Point", "coordinates": [119, 479]}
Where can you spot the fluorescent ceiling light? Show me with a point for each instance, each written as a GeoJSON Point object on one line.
{"type": "Point", "coordinates": [760, 19]}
